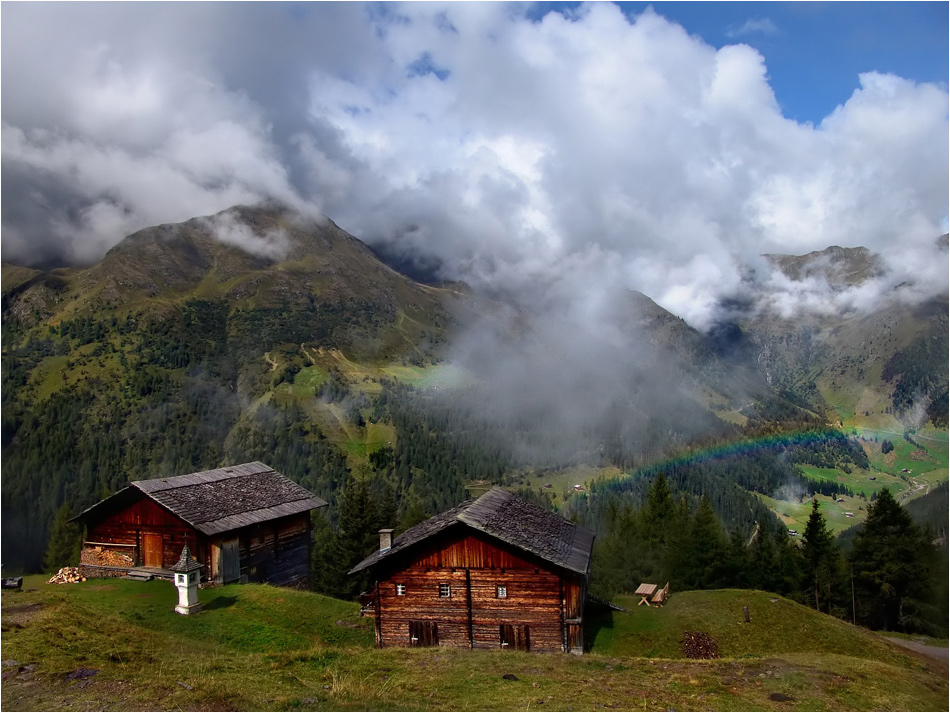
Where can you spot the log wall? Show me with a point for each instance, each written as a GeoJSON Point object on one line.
{"type": "Point", "coordinates": [129, 527]}
{"type": "Point", "coordinates": [277, 551]}
{"type": "Point", "coordinates": [536, 597]}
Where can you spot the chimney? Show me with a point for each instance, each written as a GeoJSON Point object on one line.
{"type": "Point", "coordinates": [385, 540]}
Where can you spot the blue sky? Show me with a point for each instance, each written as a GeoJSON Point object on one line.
{"type": "Point", "coordinates": [661, 149]}
{"type": "Point", "coordinates": [815, 50]}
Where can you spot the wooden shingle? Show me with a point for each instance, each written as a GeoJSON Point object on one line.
{"type": "Point", "coordinates": [223, 499]}
{"type": "Point", "coordinates": [506, 517]}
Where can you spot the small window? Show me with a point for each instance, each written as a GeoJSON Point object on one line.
{"type": "Point", "coordinates": [501, 591]}
{"type": "Point", "coordinates": [445, 590]}
{"type": "Point", "coordinates": [401, 590]}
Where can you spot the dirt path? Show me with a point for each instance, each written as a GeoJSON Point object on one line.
{"type": "Point", "coordinates": [934, 652]}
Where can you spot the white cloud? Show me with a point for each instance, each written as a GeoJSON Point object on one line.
{"type": "Point", "coordinates": [591, 150]}
{"type": "Point", "coordinates": [272, 244]}
{"type": "Point", "coordinates": [763, 26]}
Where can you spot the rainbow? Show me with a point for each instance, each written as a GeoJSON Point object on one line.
{"type": "Point", "coordinates": [747, 446]}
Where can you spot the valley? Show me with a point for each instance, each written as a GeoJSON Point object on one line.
{"type": "Point", "coordinates": [179, 352]}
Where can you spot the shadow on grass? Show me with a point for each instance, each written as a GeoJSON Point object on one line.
{"type": "Point", "coordinates": [598, 617]}
{"type": "Point", "coordinates": [219, 603]}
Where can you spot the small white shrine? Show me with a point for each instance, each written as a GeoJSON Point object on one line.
{"type": "Point", "coordinates": [187, 578]}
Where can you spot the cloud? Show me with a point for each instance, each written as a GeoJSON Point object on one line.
{"type": "Point", "coordinates": [272, 244]}
{"type": "Point", "coordinates": [576, 156]}
{"type": "Point", "coordinates": [751, 26]}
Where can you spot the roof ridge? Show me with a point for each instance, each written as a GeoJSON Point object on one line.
{"type": "Point", "coordinates": [509, 518]}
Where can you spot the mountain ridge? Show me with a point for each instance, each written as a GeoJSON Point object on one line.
{"type": "Point", "coordinates": [253, 335]}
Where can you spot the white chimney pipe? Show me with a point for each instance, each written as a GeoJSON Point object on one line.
{"type": "Point", "coordinates": [385, 540]}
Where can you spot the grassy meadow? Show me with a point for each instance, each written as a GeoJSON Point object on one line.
{"type": "Point", "coordinates": [909, 471]}
{"type": "Point", "coordinates": [256, 647]}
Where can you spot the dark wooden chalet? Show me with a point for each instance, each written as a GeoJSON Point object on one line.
{"type": "Point", "coordinates": [494, 572]}
{"type": "Point", "coordinates": [244, 523]}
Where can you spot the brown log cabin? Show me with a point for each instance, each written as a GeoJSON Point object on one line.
{"type": "Point", "coordinates": [494, 572]}
{"type": "Point", "coordinates": [244, 523]}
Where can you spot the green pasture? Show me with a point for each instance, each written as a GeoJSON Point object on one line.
{"type": "Point", "coordinates": [795, 514]}
{"type": "Point", "coordinates": [118, 645]}
{"type": "Point", "coordinates": [435, 376]}
{"type": "Point", "coordinates": [308, 380]}
{"type": "Point", "coordinates": [860, 480]}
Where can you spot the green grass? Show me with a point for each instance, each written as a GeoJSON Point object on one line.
{"type": "Point", "coordinates": [438, 376]}
{"type": "Point", "coordinates": [256, 647]}
{"type": "Point", "coordinates": [777, 627]}
{"type": "Point", "coordinates": [308, 380]}
{"type": "Point", "coordinates": [926, 466]}
{"type": "Point", "coordinates": [562, 481]}
{"type": "Point", "coordinates": [859, 480]}
{"type": "Point", "coordinates": [795, 514]}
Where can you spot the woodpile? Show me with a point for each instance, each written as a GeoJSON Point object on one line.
{"type": "Point", "coordinates": [102, 557]}
{"type": "Point", "coordinates": [699, 645]}
{"type": "Point", "coordinates": [67, 575]}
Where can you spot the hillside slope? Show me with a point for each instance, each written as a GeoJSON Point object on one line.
{"type": "Point", "coordinates": [255, 334]}
{"type": "Point", "coordinates": [144, 364]}
{"type": "Point", "coordinates": [119, 645]}
{"type": "Point", "coordinates": [879, 368]}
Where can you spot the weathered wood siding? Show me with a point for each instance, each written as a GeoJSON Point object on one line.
{"type": "Point", "coordinates": [277, 552]}
{"type": "Point", "coordinates": [535, 596]}
{"type": "Point", "coordinates": [129, 527]}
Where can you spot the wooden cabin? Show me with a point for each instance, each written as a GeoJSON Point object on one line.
{"type": "Point", "coordinates": [244, 523]}
{"type": "Point", "coordinates": [494, 572]}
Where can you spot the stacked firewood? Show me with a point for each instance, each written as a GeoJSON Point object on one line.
{"type": "Point", "coordinates": [67, 575]}
{"type": "Point", "coordinates": [699, 645]}
{"type": "Point", "coordinates": [105, 558]}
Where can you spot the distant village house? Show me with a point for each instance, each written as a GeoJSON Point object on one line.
{"type": "Point", "coordinates": [494, 572]}
{"type": "Point", "coordinates": [244, 523]}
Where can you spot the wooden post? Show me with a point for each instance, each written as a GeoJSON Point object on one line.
{"type": "Point", "coordinates": [379, 612]}
{"type": "Point", "coordinates": [745, 610]}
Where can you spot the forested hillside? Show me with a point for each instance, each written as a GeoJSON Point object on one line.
{"type": "Point", "coordinates": [254, 335]}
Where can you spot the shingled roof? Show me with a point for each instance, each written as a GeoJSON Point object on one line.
{"type": "Point", "coordinates": [512, 520]}
{"type": "Point", "coordinates": [215, 501]}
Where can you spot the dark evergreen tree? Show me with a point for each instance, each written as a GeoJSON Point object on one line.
{"type": "Point", "coordinates": [891, 558]}
{"type": "Point", "coordinates": [65, 542]}
{"type": "Point", "coordinates": [738, 562]}
{"type": "Point", "coordinates": [358, 525]}
{"type": "Point", "coordinates": [701, 559]}
{"type": "Point", "coordinates": [821, 561]}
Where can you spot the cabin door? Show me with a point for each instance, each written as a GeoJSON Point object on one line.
{"type": "Point", "coordinates": [226, 561]}
{"type": "Point", "coordinates": [575, 639]}
{"type": "Point", "coordinates": [423, 633]}
{"type": "Point", "coordinates": [515, 637]}
{"type": "Point", "coordinates": [153, 551]}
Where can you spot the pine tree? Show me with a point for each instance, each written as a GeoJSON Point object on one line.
{"type": "Point", "coordinates": [65, 542]}
{"type": "Point", "coordinates": [660, 510]}
{"type": "Point", "coordinates": [701, 561]}
{"type": "Point", "coordinates": [821, 560]}
{"type": "Point", "coordinates": [891, 558]}
{"type": "Point", "coordinates": [357, 537]}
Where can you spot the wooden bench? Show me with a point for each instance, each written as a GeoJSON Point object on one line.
{"type": "Point", "coordinates": [659, 598]}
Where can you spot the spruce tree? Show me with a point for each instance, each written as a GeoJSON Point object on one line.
{"type": "Point", "coordinates": [891, 558]}
{"type": "Point", "coordinates": [358, 526]}
{"type": "Point", "coordinates": [65, 542]}
{"type": "Point", "coordinates": [821, 560]}
{"type": "Point", "coordinates": [701, 562]}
